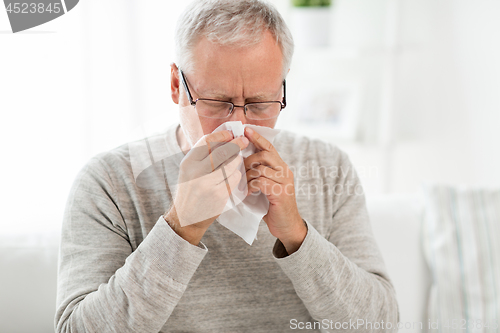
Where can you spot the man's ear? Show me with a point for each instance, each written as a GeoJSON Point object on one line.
{"type": "Point", "coordinates": [174, 83]}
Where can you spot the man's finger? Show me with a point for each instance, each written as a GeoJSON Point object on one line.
{"type": "Point", "coordinates": [265, 172]}
{"type": "Point", "coordinates": [209, 143]}
{"type": "Point", "coordinates": [225, 152]}
{"type": "Point", "coordinates": [263, 158]}
{"type": "Point", "coordinates": [220, 155]}
{"type": "Point", "coordinates": [213, 140]}
{"type": "Point", "coordinates": [232, 165]}
{"type": "Point", "coordinates": [261, 184]}
{"type": "Point", "coordinates": [258, 140]}
{"type": "Point", "coordinates": [232, 179]}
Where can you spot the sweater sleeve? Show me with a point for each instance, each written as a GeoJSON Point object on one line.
{"type": "Point", "coordinates": [340, 275]}
{"type": "Point", "coordinates": [102, 285]}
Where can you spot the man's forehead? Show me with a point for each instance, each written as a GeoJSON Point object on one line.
{"type": "Point", "coordinates": [235, 71]}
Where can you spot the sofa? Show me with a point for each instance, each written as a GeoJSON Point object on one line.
{"type": "Point", "coordinates": [28, 266]}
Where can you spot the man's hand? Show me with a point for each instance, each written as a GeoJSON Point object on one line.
{"type": "Point", "coordinates": [266, 172]}
{"type": "Point", "coordinates": [208, 174]}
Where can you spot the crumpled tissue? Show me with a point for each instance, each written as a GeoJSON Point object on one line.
{"type": "Point", "coordinates": [242, 214]}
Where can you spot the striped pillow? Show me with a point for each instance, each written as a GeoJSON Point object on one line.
{"type": "Point", "coordinates": [461, 242]}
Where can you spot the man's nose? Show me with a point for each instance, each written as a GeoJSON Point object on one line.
{"type": "Point", "coordinates": [238, 114]}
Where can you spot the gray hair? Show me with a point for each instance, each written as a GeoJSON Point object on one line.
{"type": "Point", "coordinates": [230, 22]}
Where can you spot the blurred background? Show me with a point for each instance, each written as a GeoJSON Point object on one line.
{"type": "Point", "coordinates": [418, 82]}
{"type": "Point", "coordinates": [410, 89]}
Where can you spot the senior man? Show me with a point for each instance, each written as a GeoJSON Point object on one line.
{"type": "Point", "coordinates": [129, 264]}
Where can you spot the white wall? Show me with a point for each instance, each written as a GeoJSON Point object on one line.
{"type": "Point", "coordinates": [477, 47]}
{"type": "Point", "coordinates": [84, 83]}
{"type": "Point", "coordinates": [41, 112]}
{"type": "Point", "coordinates": [446, 99]}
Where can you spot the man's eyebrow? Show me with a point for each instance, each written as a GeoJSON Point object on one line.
{"type": "Point", "coordinates": [262, 96]}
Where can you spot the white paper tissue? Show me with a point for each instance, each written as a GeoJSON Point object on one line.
{"type": "Point", "coordinates": [242, 214]}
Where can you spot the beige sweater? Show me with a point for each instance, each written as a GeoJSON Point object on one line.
{"type": "Point", "coordinates": [123, 269]}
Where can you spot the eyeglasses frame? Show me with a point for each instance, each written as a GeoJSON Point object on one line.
{"type": "Point", "coordinates": [193, 102]}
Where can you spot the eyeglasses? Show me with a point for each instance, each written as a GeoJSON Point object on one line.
{"type": "Point", "coordinates": [212, 108]}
